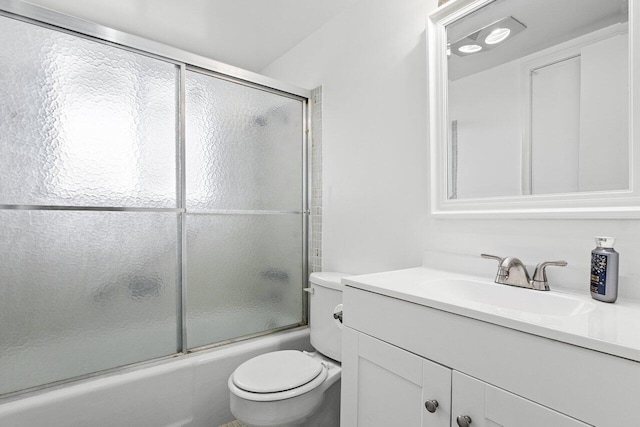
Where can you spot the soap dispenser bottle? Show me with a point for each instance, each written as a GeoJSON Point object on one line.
{"type": "Point", "coordinates": [604, 270]}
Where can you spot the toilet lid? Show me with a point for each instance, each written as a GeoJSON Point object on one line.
{"type": "Point", "coordinates": [276, 371]}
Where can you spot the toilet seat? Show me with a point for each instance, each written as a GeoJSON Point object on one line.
{"type": "Point", "coordinates": [278, 375]}
{"type": "Point", "coordinates": [276, 371]}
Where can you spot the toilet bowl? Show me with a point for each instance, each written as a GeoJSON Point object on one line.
{"type": "Point", "coordinates": [288, 387]}
{"type": "Point", "coordinates": [281, 388]}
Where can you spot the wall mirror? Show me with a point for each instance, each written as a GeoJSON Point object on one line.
{"type": "Point", "coordinates": [532, 108]}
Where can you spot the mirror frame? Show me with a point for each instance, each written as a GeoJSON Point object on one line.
{"type": "Point", "coordinates": [605, 204]}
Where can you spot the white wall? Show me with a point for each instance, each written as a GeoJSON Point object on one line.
{"type": "Point", "coordinates": [371, 62]}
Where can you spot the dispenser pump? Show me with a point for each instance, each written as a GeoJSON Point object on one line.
{"type": "Point", "coordinates": [605, 242]}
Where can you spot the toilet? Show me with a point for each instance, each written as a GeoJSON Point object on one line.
{"type": "Point", "coordinates": [291, 387]}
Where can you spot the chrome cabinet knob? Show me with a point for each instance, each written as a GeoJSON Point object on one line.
{"type": "Point", "coordinates": [338, 316]}
{"type": "Point", "coordinates": [431, 405]}
{"type": "Point", "coordinates": [464, 421]}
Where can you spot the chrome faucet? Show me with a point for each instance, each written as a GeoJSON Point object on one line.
{"type": "Point", "coordinates": [511, 271]}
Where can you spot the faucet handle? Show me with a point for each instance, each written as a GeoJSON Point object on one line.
{"type": "Point", "coordinates": [497, 258]}
{"type": "Point", "coordinates": [502, 274]}
{"type": "Point", "coordinates": [539, 280]}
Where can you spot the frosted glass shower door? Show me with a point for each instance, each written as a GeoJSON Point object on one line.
{"type": "Point", "coordinates": [244, 221]}
{"type": "Point", "coordinates": [124, 235]}
{"type": "Point", "coordinates": [89, 236]}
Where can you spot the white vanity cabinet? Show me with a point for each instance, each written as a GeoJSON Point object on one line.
{"type": "Point", "coordinates": [397, 355]}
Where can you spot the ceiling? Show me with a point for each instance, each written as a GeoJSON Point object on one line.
{"type": "Point", "coordinates": [249, 34]}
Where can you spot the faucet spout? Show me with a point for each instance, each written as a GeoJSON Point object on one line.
{"type": "Point", "coordinates": [512, 271]}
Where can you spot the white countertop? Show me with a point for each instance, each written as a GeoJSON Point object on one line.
{"type": "Point", "coordinates": [608, 328]}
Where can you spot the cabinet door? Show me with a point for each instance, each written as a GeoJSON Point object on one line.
{"type": "Point", "coordinates": [489, 406]}
{"type": "Point", "coordinates": [384, 386]}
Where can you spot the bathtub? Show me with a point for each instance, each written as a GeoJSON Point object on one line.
{"type": "Point", "coordinates": [190, 390]}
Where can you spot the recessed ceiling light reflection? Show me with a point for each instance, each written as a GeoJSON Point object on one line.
{"type": "Point", "coordinates": [497, 35]}
{"type": "Point", "coordinates": [470, 48]}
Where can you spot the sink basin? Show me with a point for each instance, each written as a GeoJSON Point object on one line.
{"type": "Point", "coordinates": [505, 298]}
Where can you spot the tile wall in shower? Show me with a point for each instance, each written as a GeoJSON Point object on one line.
{"type": "Point", "coordinates": [316, 179]}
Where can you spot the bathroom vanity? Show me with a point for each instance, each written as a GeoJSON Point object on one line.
{"type": "Point", "coordinates": [489, 355]}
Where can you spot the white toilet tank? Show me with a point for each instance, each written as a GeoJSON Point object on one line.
{"type": "Point", "coordinates": [325, 299]}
